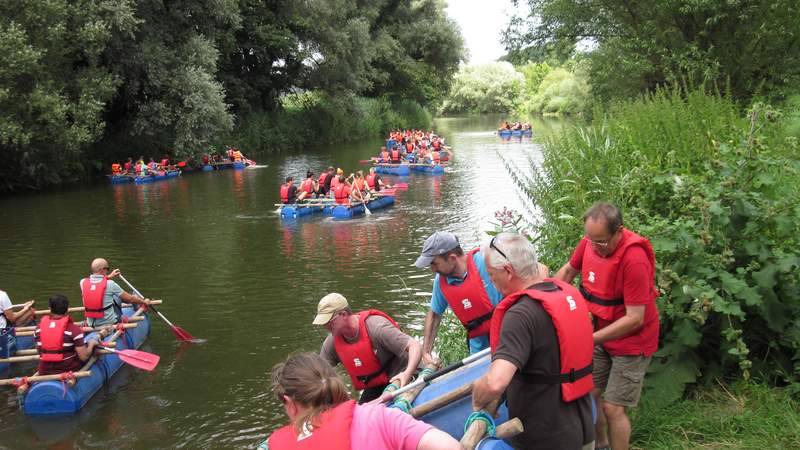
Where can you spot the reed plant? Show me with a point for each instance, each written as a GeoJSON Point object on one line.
{"type": "Point", "coordinates": [715, 188]}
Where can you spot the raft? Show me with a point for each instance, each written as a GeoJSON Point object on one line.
{"type": "Point", "coordinates": [158, 177]}
{"type": "Point", "coordinates": [345, 212]}
{"type": "Point", "coordinates": [23, 343]}
{"type": "Point", "coordinates": [393, 169]}
{"type": "Point", "coordinates": [451, 418]}
{"type": "Point", "coordinates": [516, 133]}
{"type": "Point", "coordinates": [120, 179]}
{"type": "Point", "coordinates": [433, 169]}
{"type": "Point", "coordinates": [49, 398]}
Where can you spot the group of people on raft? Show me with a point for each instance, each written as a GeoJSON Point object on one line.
{"type": "Point", "coordinates": [515, 126]}
{"type": "Point", "coordinates": [557, 350]}
{"type": "Point", "coordinates": [415, 146]}
{"type": "Point", "coordinates": [354, 188]}
{"type": "Point", "coordinates": [142, 169]}
{"type": "Point", "coordinates": [231, 155]}
{"type": "Point", "coordinates": [64, 345]}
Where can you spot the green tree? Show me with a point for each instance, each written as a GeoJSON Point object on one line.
{"type": "Point", "coordinates": [493, 87]}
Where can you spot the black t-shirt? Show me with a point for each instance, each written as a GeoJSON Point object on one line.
{"type": "Point", "coordinates": [328, 181]}
{"type": "Point", "coordinates": [292, 194]}
{"type": "Point", "coordinates": [528, 340]}
{"type": "Point", "coordinates": [377, 182]}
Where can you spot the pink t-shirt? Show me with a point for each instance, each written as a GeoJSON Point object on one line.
{"type": "Point", "coordinates": [376, 427]}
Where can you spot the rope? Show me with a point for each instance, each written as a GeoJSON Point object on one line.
{"type": "Point", "coordinates": [20, 382]}
{"type": "Point", "coordinates": [482, 416]}
{"type": "Point", "coordinates": [402, 404]}
{"type": "Point", "coordinates": [66, 377]}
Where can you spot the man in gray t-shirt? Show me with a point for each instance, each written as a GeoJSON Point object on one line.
{"type": "Point", "coordinates": [113, 297]}
{"type": "Point", "coordinates": [397, 353]}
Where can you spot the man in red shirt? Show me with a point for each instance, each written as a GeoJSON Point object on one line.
{"type": "Point", "coordinates": [60, 341]}
{"type": "Point", "coordinates": [617, 268]}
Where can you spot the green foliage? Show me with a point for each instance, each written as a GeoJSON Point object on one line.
{"type": "Point", "coordinates": [351, 116]}
{"type": "Point", "coordinates": [748, 45]}
{"type": "Point", "coordinates": [717, 195]}
{"type": "Point", "coordinates": [534, 74]}
{"type": "Point", "coordinates": [744, 415]}
{"type": "Point", "coordinates": [560, 92]}
{"type": "Point", "coordinates": [493, 87]}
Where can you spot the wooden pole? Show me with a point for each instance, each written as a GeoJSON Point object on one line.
{"type": "Point", "coordinates": [16, 359]}
{"type": "Point", "coordinates": [81, 308]}
{"type": "Point", "coordinates": [33, 351]}
{"type": "Point", "coordinates": [33, 327]}
{"type": "Point", "coordinates": [36, 378]}
{"type": "Point", "coordinates": [509, 429]}
{"type": "Point", "coordinates": [84, 329]}
{"type": "Point", "coordinates": [442, 400]}
{"type": "Point", "coordinates": [477, 429]}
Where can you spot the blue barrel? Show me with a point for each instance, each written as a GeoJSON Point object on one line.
{"type": "Point", "coordinates": [49, 398]}
{"type": "Point", "coordinates": [493, 444]}
{"type": "Point", "coordinates": [238, 166]}
{"type": "Point", "coordinates": [451, 418]}
{"type": "Point", "coordinates": [208, 168]}
{"type": "Point", "coordinates": [527, 133]}
{"type": "Point", "coordinates": [516, 133]}
{"type": "Point", "coordinates": [429, 169]}
{"type": "Point", "coordinates": [504, 133]}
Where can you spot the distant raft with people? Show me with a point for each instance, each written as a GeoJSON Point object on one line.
{"type": "Point", "coordinates": [514, 133]}
{"type": "Point", "coordinates": [143, 179]}
{"type": "Point", "coordinates": [328, 207]}
{"type": "Point", "coordinates": [51, 398]}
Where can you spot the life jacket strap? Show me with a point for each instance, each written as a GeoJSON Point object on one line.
{"type": "Point", "coordinates": [475, 323]}
{"type": "Point", "coordinates": [569, 377]}
{"type": "Point", "coordinates": [600, 301]}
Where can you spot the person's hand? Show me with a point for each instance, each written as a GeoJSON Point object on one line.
{"type": "Point", "coordinates": [147, 301]}
{"type": "Point", "coordinates": [401, 379]}
{"type": "Point", "coordinates": [27, 305]}
{"type": "Point", "coordinates": [385, 397]}
{"type": "Point", "coordinates": [429, 359]}
{"type": "Point", "coordinates": [114, 273]}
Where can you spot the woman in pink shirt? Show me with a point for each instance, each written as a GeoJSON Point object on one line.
{"type": "Point", "coordinates": [322, 415]}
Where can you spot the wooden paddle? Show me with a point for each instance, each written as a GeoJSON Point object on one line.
{"type": "Point", "coordinates": [136, 358]}
{"type": "Point", "coordinates": [179, 332]}
{"type": "Point", "coordinates": [81, 308]}
{"type": "Point", "coordinates": [361, 195]}
{"type": "Point", "coordinates": [37, 378]}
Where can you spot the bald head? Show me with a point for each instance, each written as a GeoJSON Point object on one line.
{"type": "Point", "coordinates": [98, 265]}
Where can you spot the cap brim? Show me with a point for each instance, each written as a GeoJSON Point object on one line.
{"type": "Point", "coordinates": [424, 261]}
{"type": "Point", "coordinates": [322, 318]}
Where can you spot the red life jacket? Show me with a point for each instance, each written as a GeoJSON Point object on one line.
{"type": "Point", "coordinates": [92, 294]}
{"type": "Point", "coordinates": [469, 300]}
{"type": "Point", "coordinates": [410, 147]}
{"type": "Point", "coordinates": [437, 144]}
{"type": "Point", "coordinates": [435, 156]}
{"type": "Point", "coordinates": [153, 166]}
{"type": "Point", "coordinates": [334, 182]}
{"type": "Point", "coordinates": [341, 193]}
{"type": "Point", "coordinates": [371, 180]}
{"type": "Point", "coordinates": [385, 155]}
{"type": "Point", "coordinates": [332, 433]}
{"type": "Point", "coordinates": [358, 184]}
{"type": "Point", "coordinates": [51, 339]}
{"type": "Point", "coordinates": [359, 358]}
{"type": "Point", "coordinates": [570, 316]}
{"type": "Point", "coordinates": [164, 162]}
{"type": "Point", "coordinates": [599, 276]}
{"type": "Point", "coordinates": [127, 166]}
{"type": "Point", "coordinates": [285, 192]}
{"type": "Point", "coordinates": [323, 178]}
{"type": "Point", "coordinates": [308, 185]}
{"type": "Point", "coordinates": [395, 154]}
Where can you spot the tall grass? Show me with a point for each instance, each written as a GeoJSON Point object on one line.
{"type": "Point", "coordinates": [715, 188]}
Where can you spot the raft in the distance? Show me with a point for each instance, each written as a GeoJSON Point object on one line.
{"type": "Point", "coordinates": [393, 169]}
{"type": "Point", "coordinates": [50, 398]}
{"type": "Point", "coordinates": [433, 169]}
{"type": "Point", "coordinates": [517, 133]}
{"type": "Point", "coordinates": [339, 212]}
{"type": "Point", "coordinates": [157, 177]}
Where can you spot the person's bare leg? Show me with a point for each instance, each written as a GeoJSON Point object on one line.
{"type": "Point", "coordinates": [600, 433]}
{"type": "Point", "coordinates": [619, 427]}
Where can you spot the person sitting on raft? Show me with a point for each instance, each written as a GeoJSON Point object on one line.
{"type": "Point", "coordinates": [8, 319]}
{"type": "Point", "coordinates": [375, 182]}
{"type": "Point", "coordinates": [369, 344]}
{"type": "Point", "coordinates": [324, 182]}
{"type": "Point", "coordinates": [335, 179]}
{"type": "Point", "coordinates": [289, 193]}
{"type": "Point", "coordinates": [342, 190]}
{"type": "Point", "coordinates": [360, 189]}
{"type": "Point", "coordinates": [60, 341]}
{"type": "Point", "coordinates": [116, 169]}
{"type": "Point", "coordinates": [128, 166]}
{"type": "Point", "coordinates": [309, 186]}
{"type": "Point", "coordinates": [322, 415]}
{"type": "Point", "coordinates": [102, 298]}
{"type": "Point", "coordinates": [384, 157]}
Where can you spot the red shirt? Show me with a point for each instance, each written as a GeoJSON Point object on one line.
{"type": "Point", "coordinates": [634, 285]}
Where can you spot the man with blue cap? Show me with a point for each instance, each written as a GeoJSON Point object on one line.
{"type": "Point", "coordinates": [462, 283]}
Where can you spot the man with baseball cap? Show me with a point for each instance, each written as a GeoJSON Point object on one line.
{"type": "Point", "coordinates": [369, 344]}
{"type": "Point", "coordinates": [462, 283]}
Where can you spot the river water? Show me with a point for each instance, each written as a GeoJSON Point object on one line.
{"type": "Point", "coordinates": [231, 272]}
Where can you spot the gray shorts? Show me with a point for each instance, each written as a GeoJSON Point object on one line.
{"type": "Point", "coordinates": [619, 377]}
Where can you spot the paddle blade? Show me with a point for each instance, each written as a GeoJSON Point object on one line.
{"type": "Point", "coordinates": [400, 185]}
{"type": "Point", "coordinates": [364, 161]}
{"type": "Point", "coordinates": [139, 359]}
{"type": "Point", "coordinates": [182, 334]}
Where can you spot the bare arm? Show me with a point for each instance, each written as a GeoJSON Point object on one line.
{"type": "Point", "coordinates": [434, 439]}
{"type": "Point", "coordinates": [492, 385]}
{"type": "Point", "coordinates": [630, 322]}
{"type": "Point", "coordinates": [130, 298]}
{"type": "Point", "coordinates": [85, 352]}
{"type": "Point", "coordinates": [567, 273]}
{"type": "Point", "coordinates": [414, 350]}
{"type": "Point", "coordinates": [22, 316]}
{"type": "Point", "coordinates": [432, 321]}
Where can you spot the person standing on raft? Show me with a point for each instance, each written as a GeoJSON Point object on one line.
{"type": "Point", "coordinates": [323, 417]}
{"type": "Point", "coordinates": [462, 284]}
{"type": "Point", "coordinates": [541, 341]}
{"type": "Point", "coordinates": [102, 297]}
{"type": "Point", "coordinates": [369, 344]}
{"type": "Point", "coordinates": [617, 268]}
{"type": "Point", "coordinates": [60, 341]}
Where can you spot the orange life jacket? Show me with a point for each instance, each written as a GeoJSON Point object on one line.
{"type": "Point", "coordinates": [116, 168]}
{"type": "Point", "coordinates": [341, 193]}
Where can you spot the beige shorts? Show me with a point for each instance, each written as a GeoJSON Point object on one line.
{"type": "Point", "coordinates": [619, 377]}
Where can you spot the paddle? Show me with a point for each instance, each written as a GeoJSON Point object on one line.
{"type": "Point", "coordinates": [401, 186]}
{"type": "Point", "coordinates": [361, 195]}
{"type": "Point", "coordinates": [137, 358]}
{"type": "Point", "coordinates": [428, 378]}
{"type": "Point", "coordinates": [179, 332]}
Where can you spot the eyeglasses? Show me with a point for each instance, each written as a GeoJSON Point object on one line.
{"type": "Point", "coordinates": [604, 242]}
{"type": "Point", "coordinates": [491, 244]}
{"type": "Point", "coordinates": [105, 268]}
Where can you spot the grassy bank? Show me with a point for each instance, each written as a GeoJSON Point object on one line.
{"type": "Point", "coordinates": [311, 118]}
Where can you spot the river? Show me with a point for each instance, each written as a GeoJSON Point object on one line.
{"type": "Point", "coordinates": [231, 272]}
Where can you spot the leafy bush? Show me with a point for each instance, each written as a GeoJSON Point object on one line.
{"type": "Point", "coordinates": [493, 87]}
{"type": "Point", "coordinates": [717, 194]}
{"type": "Point", "coordinates": [560, 92]}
